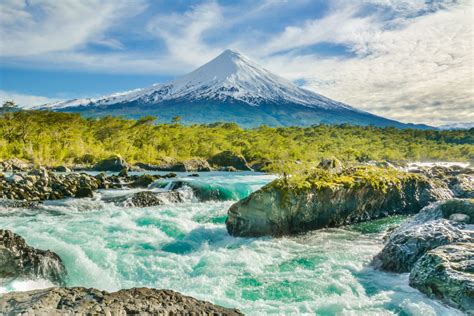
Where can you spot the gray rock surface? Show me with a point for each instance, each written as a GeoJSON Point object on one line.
{"type": "Point", "coordinates": [430, 228]}
{"type": "Point", "coordinates": [459, 180]}
{"type": "Point", "coordinates": [19, 260]}
{"type": "Point", "coordinates": [447, 273]}
{"type": "Point", "coordinates": [82, 301]}
{"type": "Point", "coordinates": [14, 164]}
{"type": "Point", "coordinates": [408, 244]}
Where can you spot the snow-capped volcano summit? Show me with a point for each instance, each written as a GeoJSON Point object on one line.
{"type": "Point", "coordinates": [230, 88]}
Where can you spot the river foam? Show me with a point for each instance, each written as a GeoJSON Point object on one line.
{"type": "Point", "coordinates": [185, 247]}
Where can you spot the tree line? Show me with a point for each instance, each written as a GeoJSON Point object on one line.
{"type": "Point", "coordinates": [52, 138]}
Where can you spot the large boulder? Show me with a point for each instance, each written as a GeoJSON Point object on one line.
{"type": "Point", "coordinates": [409, 243]}
{"type": "Point", "coordinates": [82, 301]}
{"type": "Point", "coordinates": [325, 199]}
{"type": "Point", "coordinates": [229, 158]}
{"type": "Point", "coordinates": [447, 273]}
{"type": "Point", "coordinates": [114, 163]}
{"type": "Point", "coordinates": [19, 260]}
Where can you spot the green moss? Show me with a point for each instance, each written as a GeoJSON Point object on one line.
{"type": "Point", "coordinates": [381, 179]}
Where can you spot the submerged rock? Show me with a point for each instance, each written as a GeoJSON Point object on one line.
{"type": "Point", "coordinates": [82, 301]}
{"type": "Point", "coordinates": [324, 199]}
{"type": "Point", "coordinates": [147, 199]}
{"type": "Point", "coordinates": [18, 260]}
{"type": "Point", "coordinates": [84, 192]}
{"type": "Point", "coordinates": [114, 163]}
{"type": "Point", "coordinates": [408, 244]}
{"type": "Point", "coordinates": [229, 158]}
{"type": "Point", "coordinates": [447, 273]}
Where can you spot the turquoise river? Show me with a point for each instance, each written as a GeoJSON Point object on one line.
{"type": "Point", "coordinates": [185, 247]}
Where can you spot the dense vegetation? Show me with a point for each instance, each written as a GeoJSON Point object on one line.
{"type": "Point", "coordinates": [55, 138]}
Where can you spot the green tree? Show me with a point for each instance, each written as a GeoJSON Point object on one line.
{"type": "Point", "coordinates": [176, 119]}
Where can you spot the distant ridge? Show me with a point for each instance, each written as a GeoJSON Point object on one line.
{"type": "Point", "coordinates": [229, 88]}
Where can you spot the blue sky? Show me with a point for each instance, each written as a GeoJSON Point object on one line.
{"type": "Point", "coordinates": [407, 60]}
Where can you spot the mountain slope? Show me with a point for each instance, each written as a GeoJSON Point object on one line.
{"type": "Point", "coordinates": [229, 88]}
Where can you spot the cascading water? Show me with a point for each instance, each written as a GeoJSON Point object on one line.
{"type": "Point", "coordinates": [185, 247]}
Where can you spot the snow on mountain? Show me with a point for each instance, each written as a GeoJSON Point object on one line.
{"type": "Point", "coordinates": [228, 76]}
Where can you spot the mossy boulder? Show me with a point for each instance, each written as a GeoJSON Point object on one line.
{"type": "Point", "coordinates": [229, 158]}
{"type": "Point", "coordinates": [114, 163]}
{"type": "Point", "coordinates": [321, 199]}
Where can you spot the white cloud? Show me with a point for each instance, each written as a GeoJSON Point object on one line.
{"type": "Point", "coordinates": [183, 33]}
{"type": "Point", "coordinates": [24, 100]}
{"type": "Point", "coordinates": [31, 28]}
{"type": "Point", "coordinates": [419, 71]}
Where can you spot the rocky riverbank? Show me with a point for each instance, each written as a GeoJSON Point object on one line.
{"type": "Point", "coordinates": [41, 184]}
{"type": "Point", "coordinates": [437, 248]}
{"type": "Point", "coordinates": [21, 261]}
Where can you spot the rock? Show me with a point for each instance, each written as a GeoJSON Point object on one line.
{"type": "Point", "coordinates": [114, 163]}
{"type": "Point", "coordinates": [147, 199]}
{"type": "Point", "coordinates": [459, 180]}
{"type": "Point", "coordinates": [84, 192]}
{"type": "Point", "coordinates": [447, 273]}
{"type": "Point", "coordinates": [18, 204]}
{"type": "Point", "coordinates": [228, 169]}
{"type": "Point", "coordinates": [229, 159]}
{"type": "Point", "coordinates": [324, 199]}
{"type": "Point", "coordinates": [463, 186]}
{"type": "Point", "coordinates": [61, 169]}
{"type": "Point", "coordinates": [331, 164]}
{"type": "Point", "coordinates": [195, 175]}
{"type": "Point", "coordinates": [123, 173]}
{"type": "Point", "coordinates": [149, 167]}
{"type": "Point", "coordinates": [261, 166]}
{"type": "Point", "coordinates": [460, 218]}
{"type": "Point", "coordinates": [14, 164]}
{"type": "Point", "coordinates": [409, 243]}
{"type": "Point", "coordinates": [82, 301]}
{"type": "Point", "coordinates": [444, 209]}
{"type": "Point", "coordinates": [18, 260]}
{"type": "Point", "coordinates": [143, 181]}
{"type": "Point", "coordinates": [193, 165]}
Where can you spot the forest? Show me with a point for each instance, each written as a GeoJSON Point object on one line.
{"type": "Point", "coordinates": [50, 138]}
